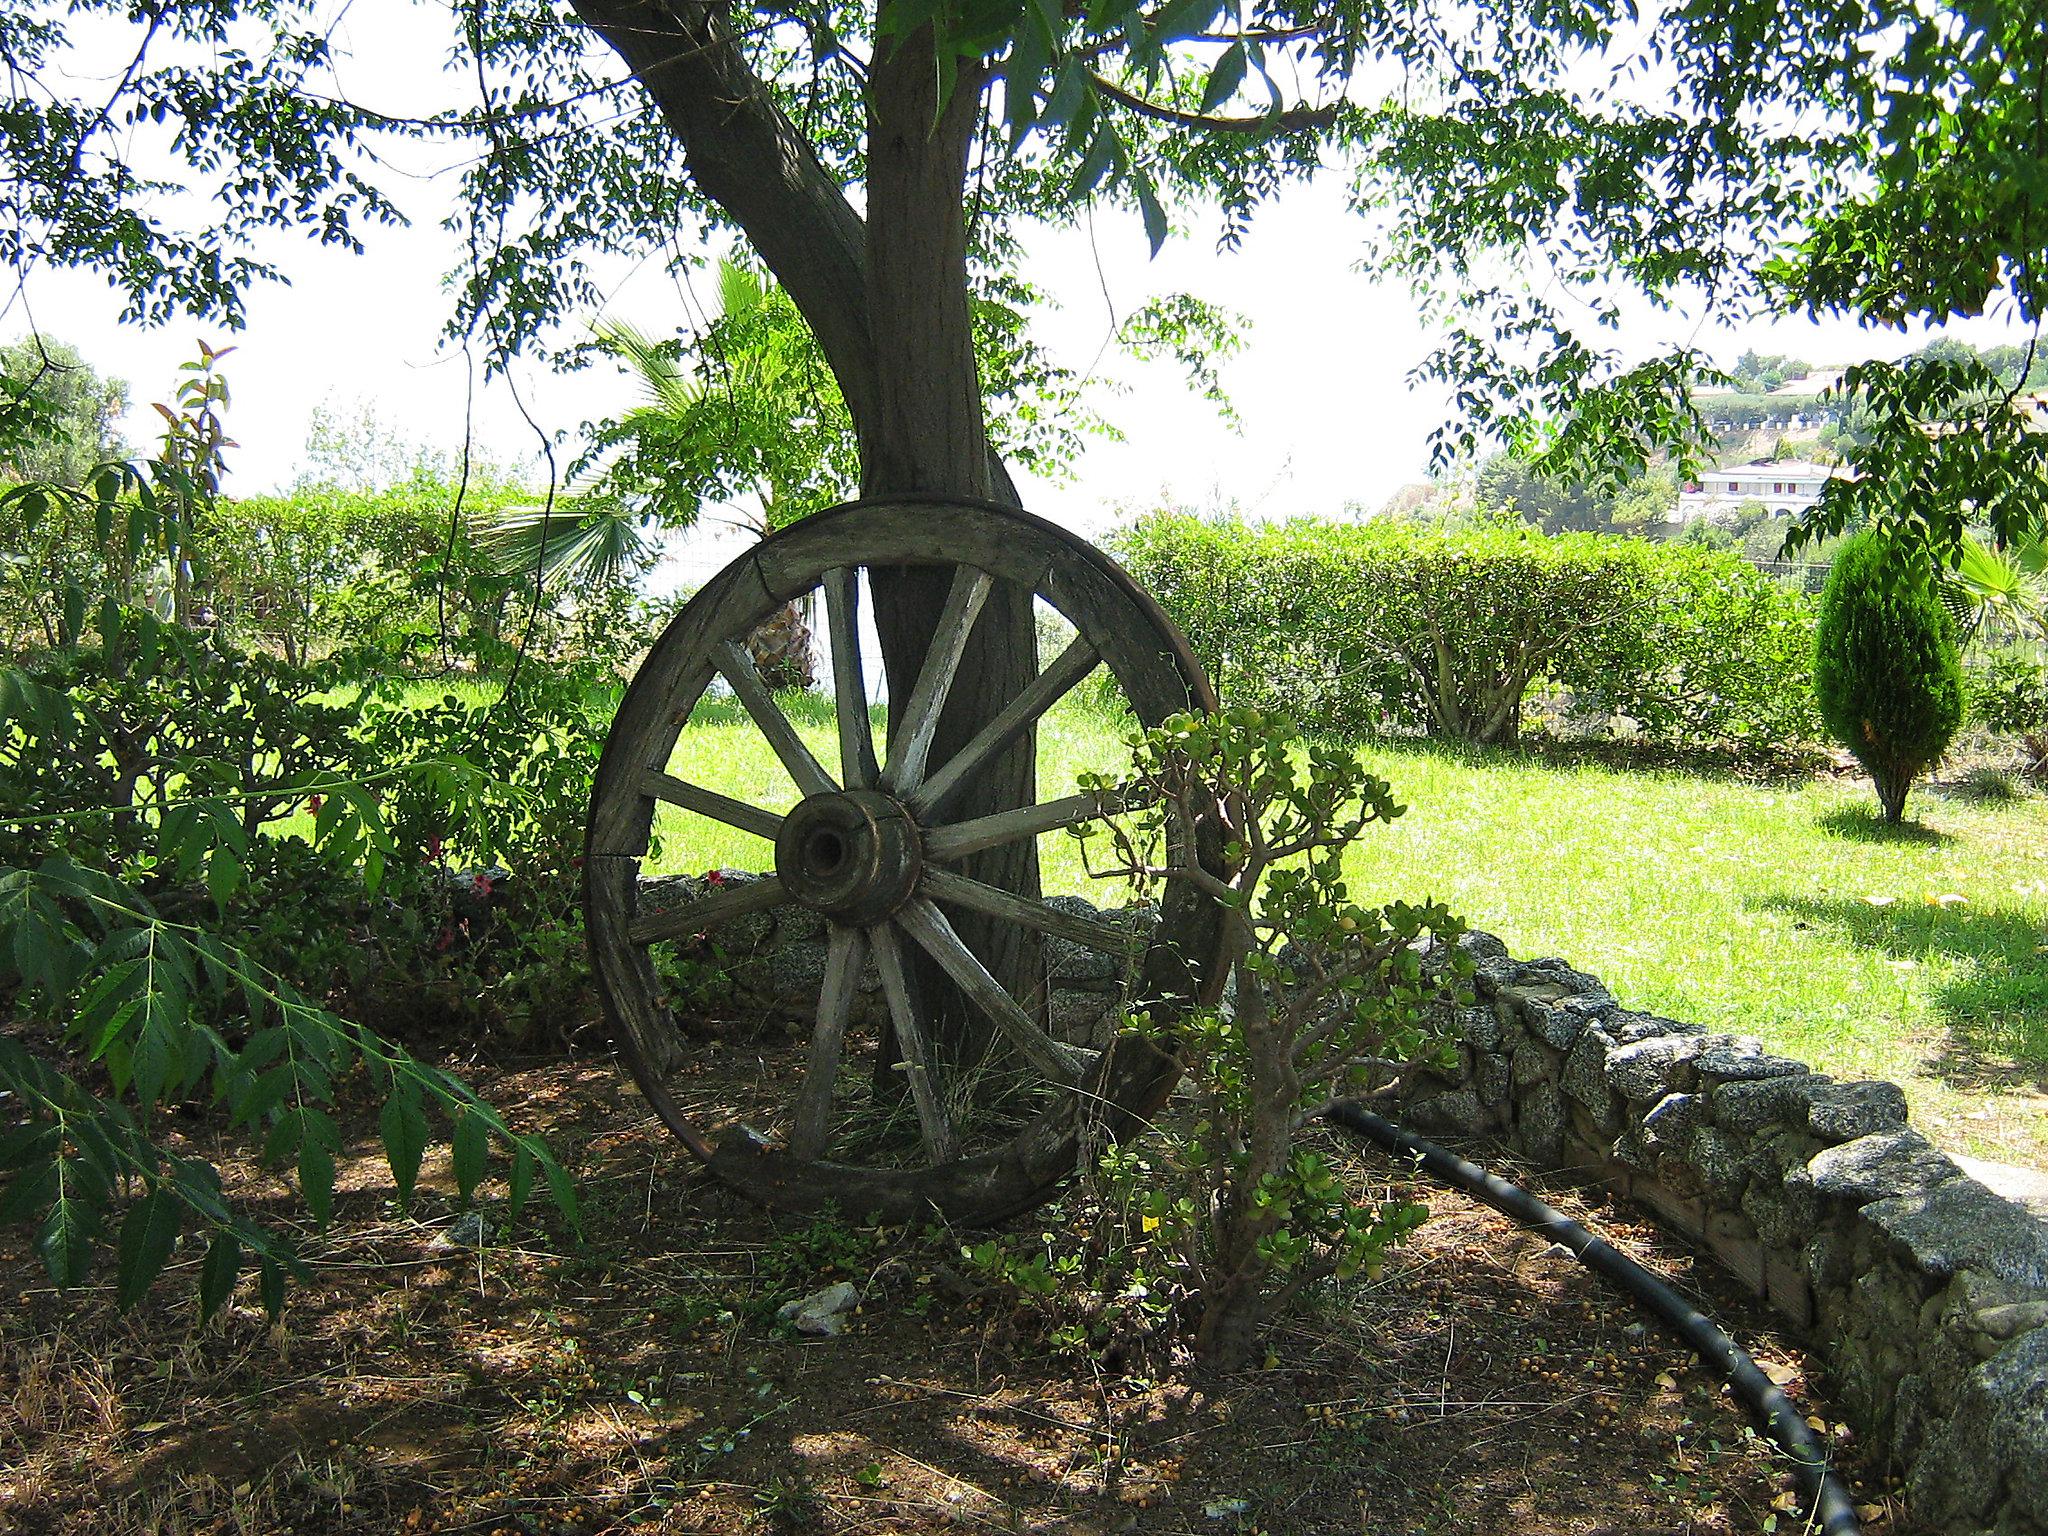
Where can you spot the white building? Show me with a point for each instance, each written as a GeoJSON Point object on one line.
{"type": "Point", "coordinates": [1781, 487]}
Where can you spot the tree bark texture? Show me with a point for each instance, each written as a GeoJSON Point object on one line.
{"type": "Point", "coordinates": [887, 299]}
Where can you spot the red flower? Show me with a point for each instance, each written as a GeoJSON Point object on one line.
{"type": "Point", "coordinates": [481, 884]}
{"type": "Point", "coordinates": [314, 802]}
{"type": "Point", "coordinates": [715, 876]}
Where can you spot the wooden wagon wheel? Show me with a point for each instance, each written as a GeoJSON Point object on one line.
{"type": "Point", "coordinates": [873, 852]}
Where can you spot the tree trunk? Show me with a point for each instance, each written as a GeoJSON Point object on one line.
{"type": "Point", "coordinates": [925, 431]}
{"type": "Point", "coordinates": [887, 299]}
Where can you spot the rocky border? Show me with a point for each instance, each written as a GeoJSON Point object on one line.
{"type": "Point", "coordinates": [1926, 1293]}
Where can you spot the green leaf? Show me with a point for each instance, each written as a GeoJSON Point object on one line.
{"type": "Point", "coordinates": [270, 1281]}
{"type": "Point", "coordinates": [217, 1274]}
{"type": "Point", "coordinates": [1225, 78]}
{"type": "Point", "coordinates": [521, 1177]}
{"type": "Point", "coordinates": [404, 1128]}
{"type": "Point", "coordinates": [148, 1233]}
{"type": "Point", "coordinates": [472, 1151]}
{"type": "Point", "coordinates": [316, 1179]}
{"type": "Point", "coordinates": [1148, 206]}
{"type": "Point", "coordinates": [66, 1237]}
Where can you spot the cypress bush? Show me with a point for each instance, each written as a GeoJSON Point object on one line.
{"type": "Point", "coordinates": [1885, 670]}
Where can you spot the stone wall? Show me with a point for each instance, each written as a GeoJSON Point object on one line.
{"type": "Point", "coordinates": [1925, 1293]}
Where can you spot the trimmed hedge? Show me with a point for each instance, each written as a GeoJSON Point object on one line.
{"type": "Point", "coordinates": [1393, 627]}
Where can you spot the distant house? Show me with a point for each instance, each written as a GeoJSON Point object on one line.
{"type": "Point", "coordinates": [1781, 487]}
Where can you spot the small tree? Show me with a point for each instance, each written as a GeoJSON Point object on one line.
{"type": "Point", "coordinates": [1885, 670]}
{"type": "Point", "coordinates": [1325, 994]}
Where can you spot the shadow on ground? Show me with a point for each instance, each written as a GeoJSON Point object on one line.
{"type": "Point", "coordinates": [1860, 824]}
{"type": "Point", "coordinates": [1996, 1008]}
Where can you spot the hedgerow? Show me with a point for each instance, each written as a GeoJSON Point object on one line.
{"type": "Point", "coordinates": [1358, 629]}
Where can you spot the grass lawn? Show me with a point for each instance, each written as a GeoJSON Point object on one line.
{"type": "Point", "coordinates": [1779, 911]}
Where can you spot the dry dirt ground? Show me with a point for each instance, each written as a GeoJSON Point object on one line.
{"type": "Point", "coordinates": [638, 1381]}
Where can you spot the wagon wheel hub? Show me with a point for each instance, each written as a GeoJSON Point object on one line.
{"type": "Point", "coordinates": [853, 855]}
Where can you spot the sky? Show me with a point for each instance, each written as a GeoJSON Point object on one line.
{"type": "Point", "coordinates": [1331, 414]}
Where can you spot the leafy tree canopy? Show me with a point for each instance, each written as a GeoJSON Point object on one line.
{"type": "Point", "coordinates": [1761, 155]}
{"type": "Point", "coordinates": [61, 418]}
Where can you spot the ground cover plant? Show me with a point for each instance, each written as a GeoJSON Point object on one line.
{"type": "Point", "coordinates": [1781, 908]}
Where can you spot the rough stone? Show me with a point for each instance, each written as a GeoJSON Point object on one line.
{"type": "Point", "coordinates": [1669, 1125]}
{"type": "Point", "coordinates": [1983, 1464]}
{"type": "Point", "coordinates": [1493, 1079]}
{"type": "Point", "coordinates": [1457, 1113]}
{"type": "Point", "coordinates": [1784, 1215]}
{"type": "Point", "coordinates": [1741, 1059]}
{"type": "Point", "coordinates": [1843, 1111]}
{"type": "Point", "coordinates": [1540, 1126]}
{"type": "Point", "coordinates": [1534, 1062]}
{"type": "Point", "coordinates": [1481, 945]}
{"type": "Point", "coordinates": [822, 1314]}
{"type": "Point", "coordinates": [1479, 1027]}
{"type": "Point", "coordinates": [1720, 1164]}
{"type": "Point", "coordinates": [1749, 1107]}
{"type": "Point", "coordinates": [1585, 1071]}
{"type": "Point", "coordinates": [1880, 1167]}
{"type": "Point", "coordinates": [1073, 1015]}
{"type": "Point", "coordinates": [1076, 965]}
{"type": "Point", "coordinates": [1962, 1225]}
{"type": "Point", "coordinates": [1648, 1069]}
{"type": "Point", "coordinates": [1628, 1028]}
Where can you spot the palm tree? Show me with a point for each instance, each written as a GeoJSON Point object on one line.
{"type": "Point", "coordinates": [746, 417]}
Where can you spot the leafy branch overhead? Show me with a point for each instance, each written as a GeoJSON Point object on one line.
{"type": "Point", "coordinates": [1872, 160]}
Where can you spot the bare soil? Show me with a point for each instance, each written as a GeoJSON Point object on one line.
{"type": "Point", "coordinates": [638, 1380]}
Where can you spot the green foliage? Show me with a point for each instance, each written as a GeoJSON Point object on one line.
{"type": "Point", "coordinates": [1328, 994]}
{"type": "Point", "coordinates": [1885, 671]}
{"type": "Point", "coordinates": [59, 419]}
{"type": "Point", "coordinates": [201, 859]}
{"type": "Point", "coordinates": [1384, 626]}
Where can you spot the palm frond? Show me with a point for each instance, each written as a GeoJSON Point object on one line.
{"type": "Point", "coordinates": [595, 543]}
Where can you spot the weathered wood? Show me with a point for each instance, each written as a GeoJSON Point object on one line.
{"type": "Point", "coordinates": [928, 926]}
{"type": "Point", "coordinates": [966, 837]}
{"type": "Point", "coordinates": [1020, 715]}
{"type": "Point", "coordinates": [846, 953]}
{"type": "Point", "coordinates": [738, 669]}
{"type": "Point", "coordinates": [1152, 668]}
{"type": "Point", "coordinates": [708, 802]}
{"type": "Point", "coordinates": [1092, 933]}
{"type": "Point", "coordinates": [934, 1125]}
{"type": "Point", "coordinates": [641, 1025]}
{"type": "Point", "coordinates": [857, 767]}
{"type": "Point", "coordinates": [904, 770]}
{"type": "Point", "coordinates": [721, 905]}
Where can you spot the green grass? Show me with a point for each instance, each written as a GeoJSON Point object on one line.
{"type": "Point", "coordinates": [1781, 911]}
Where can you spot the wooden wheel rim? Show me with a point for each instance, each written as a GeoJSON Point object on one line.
{"type": "Point", "coordinates": [1127, 633]}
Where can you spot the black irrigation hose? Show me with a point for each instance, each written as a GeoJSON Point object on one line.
{"type": "Point", "coordinates": [1821, 1489]}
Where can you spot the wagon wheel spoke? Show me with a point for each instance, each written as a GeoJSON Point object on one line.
{"type": "Point", "coordinates": [738, 669]}
{"type": "Point", "coordinates": [708, 802]}
{"type": "Point", "coordinates": [720, 905]}
{"type": "Point", "coordinates": [845, 954]}
{"type": "Point", "coordinates": [928, 926]}
{"type": "Point", "coordinates": [911, 742]}
{"type": "Point", "coordinates": [842, 622]}
{"type": "Point", "coordinates": [993, 901]}
{"type": "Point", "coordinates": [934, 1124]}
{"type": "Point", "coordinates": [965, 837]}
{"type": "Point", "coordinates": [1020, 715]}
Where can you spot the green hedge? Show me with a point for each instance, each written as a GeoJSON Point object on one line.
{"type": "Point", "coordinates": [1392, 627]}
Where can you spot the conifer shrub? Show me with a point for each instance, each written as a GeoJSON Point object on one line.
{"type": "Point", "coordinates": [1885, 670]}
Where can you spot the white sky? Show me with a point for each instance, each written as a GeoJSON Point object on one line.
{"type": "Point", "coordinates": [1330, 415]}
